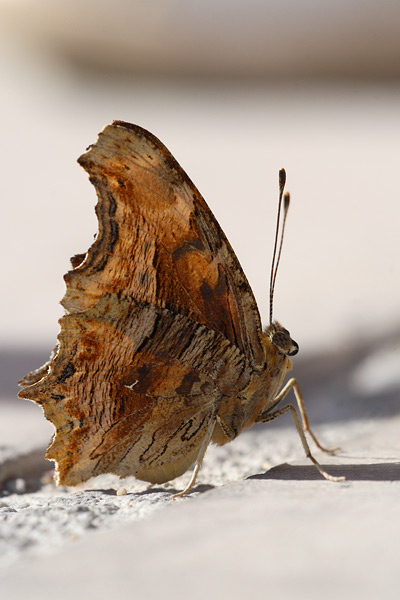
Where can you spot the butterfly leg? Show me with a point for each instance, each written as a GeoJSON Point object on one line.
{"type": "Point", "coordinates": [292, 384]}
{"type": "Point", "coordinates": [300, 426]}
{"type": "Point", "coordinates": [200, 458]}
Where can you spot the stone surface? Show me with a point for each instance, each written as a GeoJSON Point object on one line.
{"type": "Point", "coordinates": [245, 531]}
{"type": "Point", "coordinates": [282, 533]}
{"type": "Point", "coordinates": [260, 523]}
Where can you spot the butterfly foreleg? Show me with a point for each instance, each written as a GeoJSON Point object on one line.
{"type": "Point", "coordinates": [200, 457]}
{"type": "Point", "coordinates": [292, 384]}
{"type": "Point", "coordinates": [301, 425]}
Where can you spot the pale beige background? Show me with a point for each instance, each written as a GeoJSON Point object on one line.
{"type": "Point", "coordinates": [337, 137]}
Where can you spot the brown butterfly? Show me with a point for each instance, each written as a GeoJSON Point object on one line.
{"type": "Point", "coordinates": [161, 350]}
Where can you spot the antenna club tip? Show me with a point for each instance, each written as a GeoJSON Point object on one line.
{"type": "Point", "coordinates": [282, 178]}
{"type": "Point", "coordinates": [286, 201]}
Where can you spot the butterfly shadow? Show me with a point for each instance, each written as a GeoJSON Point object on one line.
{"type": "Point", "coordinates": [201, 488]}
{"type": "Point", "coordinates": [381, 471]}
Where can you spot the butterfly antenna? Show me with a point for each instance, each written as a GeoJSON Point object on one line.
{"type": "Point", "coordinates": [276, 256]}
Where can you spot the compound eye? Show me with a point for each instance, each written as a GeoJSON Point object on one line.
{"type": "Point", "coordinates": [282, 340]}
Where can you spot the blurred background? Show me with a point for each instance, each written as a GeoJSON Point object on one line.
{"type": "Point", "coordinates": [235, 90]}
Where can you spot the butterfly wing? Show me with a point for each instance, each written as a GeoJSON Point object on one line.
{"type": "Point", "coordinates": [160, 321]}
{"type": "Point", "coordinates": [159, 242]}
{"type": "Point", "coordinates": [132, 390]}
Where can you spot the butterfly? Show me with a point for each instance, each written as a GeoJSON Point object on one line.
{"type": "Point", "coordinates": [161, 350]}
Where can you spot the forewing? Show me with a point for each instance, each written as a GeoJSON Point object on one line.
{"type": "Point", "coordinates": [158, 241]}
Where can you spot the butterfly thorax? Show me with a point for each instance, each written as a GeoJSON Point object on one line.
{"type": "Point", "coordinates": [237, 413]}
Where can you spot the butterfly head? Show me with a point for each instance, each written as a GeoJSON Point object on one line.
{"type": "Point", "coordinates": [280, 338]}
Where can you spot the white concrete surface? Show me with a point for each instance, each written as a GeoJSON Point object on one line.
{"type": "Point", "coordinates": [261, 521]}
{"type": "Point", "coordinates": [284, 533]}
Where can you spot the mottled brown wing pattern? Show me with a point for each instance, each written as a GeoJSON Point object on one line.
{"type": "Point", "coordinates": [132, 390]}
{"type": "Point", "coordinates": [159, 242]}
{"type": "Point", "coordinates": [161, 323]}
{"type": "Point", "coordinates": [160, 350]}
